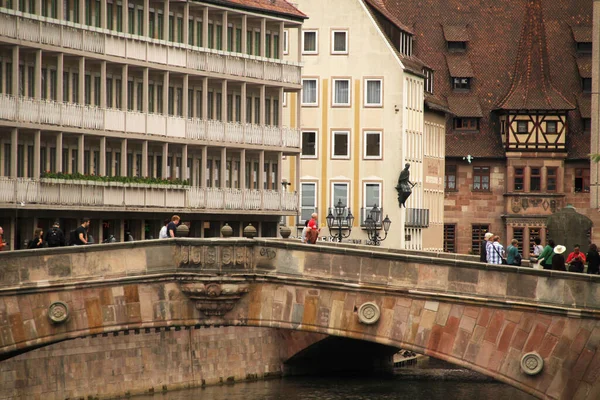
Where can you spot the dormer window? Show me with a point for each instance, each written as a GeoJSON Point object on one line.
{"type": "Point", "coordinates": [584, 48]}
{"type": "Point", "coordinates": [428, 80]}
{"type": "Point", "coordinates": [456, 37]}
{"type": "Point", "coordinates": [583, 39]}
{"type": "Point", "coordinates": [461, 83]}
{"type": "Point", "coordinates": [405, 43]}
{"type": "Point", "coordinates": [457, 46]}
{"type": "Point", "coordinates": [586, 85]}
{"type": "Point", "coordinates": [466, 124]}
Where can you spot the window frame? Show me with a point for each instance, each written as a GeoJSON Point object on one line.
{"type": "Point", "coordinates": [535, 173]}
{"type": "Point", "coordinates": [334, 134]}
{"type": "Point", "coordinates": [586, 85]}
{"type": "Point", "coordinates": [333, 92]}
{"type": "Point", "coordinates": [316, 197]}
{"type": "Point", "coordinates": [367, 208]}
{"type": "Point", "coordinates": [346, 42]}
{"type": "Point", "coordinates": [286, 41]}
{"type": "Point", "coordinates": [482, 229]}
{"type": "Point", "coordinates": [316, 103]}
{"type": "Point", "coordinates": [553, 176]}
{"type": "Point", "coordinates": [446, 239]}
{"type": "Point", "coordinates": [579, 173]}
{"type": "Point", "coordinates": [456, 46]}
{"type": "Point", "coordinates": [550, 123]}
{"type": "Point", "coordinates": [333, 200]}
{"type": "Point", "coordinates": [458, 84]}
{"type": "Point", "coordinates": [482, 175]}
{"type": "Point", "coordinates": [447, 172]}
{"type": "Point", "coordinates": [469, 126]}
{"type": "Point", "coordinates": [316, 50]}
{"type": "Point", "coordinates": [521, 123]}
{"type": "Point", "coordinates": [519, 176]}
{"type": "Point", "coordinates": [302, 154]}
{"type": "Point", "coordinates": [366, 81]}
{"type": "Point", "coordinates": [366, 133]}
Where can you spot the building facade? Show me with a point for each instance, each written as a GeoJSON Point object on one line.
{"type": "Point", "coordinates": [130, 111]}
{"type": "Point", "coordinates": [595, 106]}
{"type": "Point", "coordinates": [364, 116]}
{"type": "Point", "coordinates": [517, 81]}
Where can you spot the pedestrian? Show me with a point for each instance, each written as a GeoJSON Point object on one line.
{"type": "Point", "coordinates": [2, 242]}
{"type": "Point", "coordinates": [512, 253]}
{"type": "Point", "coordinates": [495, 252]}
{"type": "Point", "coordinates": [487, 239]}
{"type": "Point", "coordinates": [38, 240]}
{"type": "Point", "coordinates": [545, 257]}
{"type": "Point", "coordinates": [55, 237]}
{"type": "Point", "coordinates": [163, 231]}
{"type": "Point", "coordinates": [593, 259]}
{"type": "Point", "coordinates": [558, 260]}
{"type": "Point", "coordinates": [305, 231]}
{"type": "Point", "coordinates": [576, 260]}
{"type": "Point", "coordinates": [537, 249]}
{"type": "Point", "coordinates": [172, 226]}
{"type": "Point", "coordinates": [81, 233]}
{"type": "Point", "coordinates": [313, 232]}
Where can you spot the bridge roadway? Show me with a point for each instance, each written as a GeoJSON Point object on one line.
{"type": "Point", "coordinates": [482, 317]}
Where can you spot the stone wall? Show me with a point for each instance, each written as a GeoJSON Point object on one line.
{"type": "Point", "coordinates": [142, 363]}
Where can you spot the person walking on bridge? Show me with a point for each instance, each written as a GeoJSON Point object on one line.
{"type": "Point", "coordinates": [487, 240]}
{"type": "Point", "coordinates": [55, 237]}
{"type": "Point", "coordinates": [545, 257]}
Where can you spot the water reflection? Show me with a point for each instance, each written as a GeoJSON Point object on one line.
{"type": "Point", "coordinates": [348, 389]}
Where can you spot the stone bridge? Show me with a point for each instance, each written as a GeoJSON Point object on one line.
{"type": "Point", "coordinates": [482, 317]}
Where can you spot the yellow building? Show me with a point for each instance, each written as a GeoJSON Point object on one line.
{"type": "Point", "coordinates": [363, 117]}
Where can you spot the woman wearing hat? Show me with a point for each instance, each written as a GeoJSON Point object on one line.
{"type": "Point", "coordinates": [558, 260]}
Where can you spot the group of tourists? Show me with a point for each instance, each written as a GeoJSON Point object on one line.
{"type": "Point", "coordinates": [544, 257]}
{"type": "Point", "coordinates": [169, 227]}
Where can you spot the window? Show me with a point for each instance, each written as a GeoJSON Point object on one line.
{"type": "Point", "coordinates": [522, 126]}
{"type": "Point", "coordinates": [586, 85]}
{"type": "Point", "coordinates": [450, 238]}
{"type": "Point", "coordinates": [457, 46]}
{"type": "Point", "coordinates": [372, 146]}
{"type": "Point", "coordinates": [587, 125]}
{"type": "Point", "coordinates": [341, 92]}
{"type": "Point", "coordinates": [308, 201]}
{"type": "Point", "coordinates": [535, 180]}
{"type": "Point", "coordinates": [373, 92]}
{"type": "Point", "coordinates": [371, 197]}
{"type": "Point", "coordinates": [519, 181]}
{"type": "Point", "coordinates": [461, 83]}
{"type": "Point", "coordinates": [481, 179]}
{"type": "Point", "coordinates": [309, 144]}
{"type": "Point", "coordinates": [518, 234]}
{"type": "Point", "coordinates": [533, 233]}
{"type": "Point", "coordinates": [286, 35]}
{"type": "Point", "coordinates": [450, 178]}
{"type": "Point", "coordinates": [309, 92]}
{"type": "Point", "coordinates": [341, 144]}
{"type": "Point", "coordinates": [582, 180]}
{"type": "Point", "coordinates": [477, 234]}
{"type": "Point", "coordinates": [428, 80]}
{"type": "Point", "coordinates": [466, 124]}
{"type": "Point", "coordinates": [584, 47]}
{"type": "Point", "coordinates": [339, 191]}
{"type": "Point", "coordinates": [551, 127]}
{"type": "Point", "coordinates": [339, 42]}
{"type": "Point", "coordinates": [551, 174]}
{"type": "Point", "coordinates": [309, 42]}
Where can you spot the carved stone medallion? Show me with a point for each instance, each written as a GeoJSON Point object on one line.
{"type": "Point", "coordinates": [532, 363]}
{"type": "Point", "coordinates": [368, 313]}
{"type": "Point", "coordinates": [58, 312]}
{"type": "Point", "coordinates": [214, 299]}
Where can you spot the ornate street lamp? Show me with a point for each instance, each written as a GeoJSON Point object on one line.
{"type": "Point", "coordinates": [373, 229]}
{"type": "Point", "coordinates": [338, 220]}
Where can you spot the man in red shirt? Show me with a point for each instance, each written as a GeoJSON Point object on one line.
{"type": "Point", "coordinates": [576, 260]}
{"type": "Point", "coordinates": [313, 231]}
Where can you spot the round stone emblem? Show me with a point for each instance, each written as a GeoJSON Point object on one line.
{"type": "Point", "coordinates": [532, 363]}
{"type": "Point", "coordinates": [368, 313]}
{"type": "Point", "coordinates": [58, 312]}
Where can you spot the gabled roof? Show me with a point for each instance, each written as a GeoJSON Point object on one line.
{"type": "Point", "coordinates": [381, 7]}
{"type": "Point", "coordinates": [270, 6]}
{"type": "Point", "coordinates": [459, 66]}
{"type": "Point", "coordinates": [456, 33]}
{"type": "Point", "coordinates": [582, 34]}
{"type": "Point", "coordinates": [584, 65]}
{"type": "Point", "coordinates": [532, 87]}
{"type": "Point", "coordinates": [465, 106]}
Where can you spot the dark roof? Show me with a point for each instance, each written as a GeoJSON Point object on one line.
{"type": "Point", "coordinates": [271, 6]}
{"type": "Point", "coordinates": [578, 147]}
{"type": "Point", "coordinates": [459, 65]}
{"type": "Point", "coordinates": [584, 102]}
{"type": "Point", "coordinates": [436, 103]}
{"type": "Point", "coordinates": [584, 65]}
{"type": "Point", "coordinates": [494, 35]}
{"type": "Point", "coordinates": [456, 33]}
{"type": "Point", "coordinates": [381, 7]}
{"type": "Point", "coordinates": [582, 34]}
{"type": "Point", "coordinates": [465, 106]}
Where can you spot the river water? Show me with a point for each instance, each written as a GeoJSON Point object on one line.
{"type": "Point", "coordinates": [316, 388]}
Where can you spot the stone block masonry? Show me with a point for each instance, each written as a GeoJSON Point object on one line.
{"type": "Point", "coordinates": [112, 366]}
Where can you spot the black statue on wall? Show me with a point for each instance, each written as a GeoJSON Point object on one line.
{"type": "Point", "coordinates": [404, 186]}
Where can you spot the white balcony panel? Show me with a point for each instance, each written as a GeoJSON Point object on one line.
{"type": "Point", "coordinates": [291, 137]}
{"type": "Point", "coordinates": [157, 53]}
{"type": "Point", "coordinates": [136, 122]}
{"type": "Point", "coordinates": [72, 38]}
{"type": "Point", "coordinates": [273, 71]}
{"type": "Point", "coordinates": [291, 74]}
{"type": "Point", "coordinates": [93, 41]}
{"type": "Point", "coordinates": [253, 134]}
{"type": "Point", "coordinates": [114, 196]}
{"type": "Point", "coordinates": [157, 124]}
{"type": "Point", "coordinates": [115, 46]}
{"type": "Point", "coordinates": [176, 127]}
{"type": "Point", "coordinates": [135, 197]}
{"type": "Point", "coordinates": [115, 120]}
{"type": "Point", "coordinates": [136, 49]}
{"type": "Point", "coordinates": [8, 106]}
{"type": "Point", "coordinates": [7, 188]}
{"type": "Point", "coordinates": [272, 136]}
{"type": "Point", "coordinates": [197, 60]}
{"type": "Point", "coordinates": [234, 199]}
{"type": "Point", "coordinates": [29, 30]}
{"type": "Point", "coordinates": [252, 199]}
{"type": "Point", "coordinates": [235, 66]}
{"type": "Point", "coordinates": [71, 115]}
{"type": "Point", "coordinates": [234, 132]}
{"type": "Point", "coordinates": [254, 69]}
{"type": "Point", "coordinates": [214, 198]}
{"type": "Point", "coordinates": [196, 129]}
{"type": "Point", "coordinates": [215, 63]}
{"type": "Point", "coordinates": [49, 112]}
{"type": "Point", "coordinates": [51, 34]}
{"type": "Point", "coordinates": [155, 198]}
{"type": "Point", "coordinates": [215, 130]}
{"type": "Point", "coordinates": [93, 118]}
{"type": "Point", "coordinates": [196, 197]}
{"type": "Point", "coordinates": [8, 25]}
{"type": "Point", "coordinates": [290, 201]}
{"type": "Point", "coordinates": [50, 194]}
{"type": "Point", "coordinates": [175, 198]}
{"type": "Point", "coordinates": [28, 110]}
{"type": "Point", "coordinates": [26, 190]}
{"type": "Point", "coordinates": [272, 200]}
{"type": "Point", "coordinates": [177, 57]}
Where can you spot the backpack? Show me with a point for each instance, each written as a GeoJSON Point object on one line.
{"type": "Point", "coordinates": [53, 238]}
{"type": "Point", "coordinates": [73, 237]}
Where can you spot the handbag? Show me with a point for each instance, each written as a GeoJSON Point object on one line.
{"type": "Point", "coordinates": [502, 259]}
{"type": "Point", "coordinates": [538, 264]}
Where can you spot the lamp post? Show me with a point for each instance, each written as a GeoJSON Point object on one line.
{"type": "Point", "coordinates": [372, 229]}
{"type": "Point", "coordinates": [338, 220]}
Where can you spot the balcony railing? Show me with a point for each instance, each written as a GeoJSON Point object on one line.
{"type": "Point", "coordinates": [50, 31]}
{"type": "Point", "coordinates": [417, 218]}
{"type": "Point", "coordinates": [25, 109]}
{"type": "Point", "coordinates": [25, 191]}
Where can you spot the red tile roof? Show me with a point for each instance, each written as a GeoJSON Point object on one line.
{"type": "Point", "coordinates": [465, 106]}
{"type": "Point", "coordinates": [582, 34]}
{"type": "Point", "coordinates": [459, 66]}
{"type": "Point", "coordinates": [271, 6]}
{"type": "Point", "coordinates": [584, 102]}
{"type": "Point", "coordinates": [584, 65]}
{"type": "Point", "coordinates": [494, 32]}
{"type": "Point", "coordinates": [456, 33]}
{"type": "Point", "coordinates": [381, 7]}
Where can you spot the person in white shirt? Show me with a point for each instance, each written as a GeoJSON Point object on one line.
{"type": "Point", "coordinates": [163, 231]}
{"type": "Point", "coordinates": [306, 228]}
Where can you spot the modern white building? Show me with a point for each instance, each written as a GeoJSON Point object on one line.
{"type": "Point", "coordinates": [364, 116]}
{"type": "Point", "coordinates": [143, 93]}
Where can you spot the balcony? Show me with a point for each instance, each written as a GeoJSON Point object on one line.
{"type": "Point", "coordinates": [28, 110]}
{"type": "Point", "coordinates": [61, 194]}
{"type": "Point", "coordinates": [417, 218]}
{"type": "Point", "coordinates": [49, 31]}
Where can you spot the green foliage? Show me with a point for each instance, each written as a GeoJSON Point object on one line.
{"type": "Point", "coordinates": [595, 157]}
{"type": "Point", "coordinates": [120, 179]}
